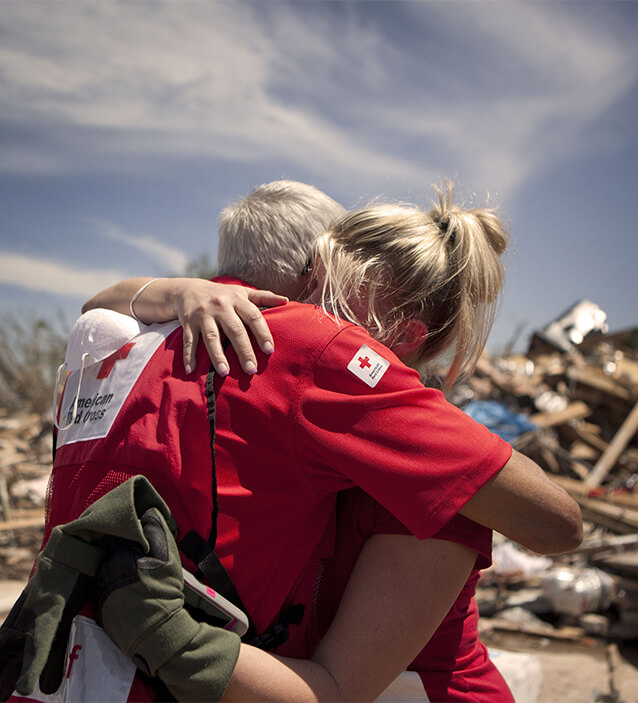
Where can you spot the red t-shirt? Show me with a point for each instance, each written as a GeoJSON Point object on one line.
{"type": "Point", "coordinates": [310, 424]}
{"type": "Point", "coordinates": [454, 665]}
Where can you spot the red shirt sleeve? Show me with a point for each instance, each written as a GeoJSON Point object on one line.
{"type": "Point", "coordinates": [404, 444]}
{"type": "Point", "coordinates": [361, 514]}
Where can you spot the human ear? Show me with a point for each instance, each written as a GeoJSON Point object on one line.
{"type": "Point", "coordinates": [410, 336]}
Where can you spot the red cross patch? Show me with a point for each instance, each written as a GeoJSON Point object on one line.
{"type": "Point", "coordinates": [369, 366]}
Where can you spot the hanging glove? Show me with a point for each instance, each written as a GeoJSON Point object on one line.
{"type": "Point", "coordinates": [34, 635]}
{"type": "Point", "coordinates": [141, 607]}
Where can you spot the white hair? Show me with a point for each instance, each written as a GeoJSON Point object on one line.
{"type": "Point", "coordinates": [267, 237]}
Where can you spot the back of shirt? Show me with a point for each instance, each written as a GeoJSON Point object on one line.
{"type": "Point", "coordinates": [330, 409]}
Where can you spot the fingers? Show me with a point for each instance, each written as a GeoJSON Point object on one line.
{"type": "Point", "coordinates": [52, 670]}
{"type": "Point", "coordinates": [235, 330]}
{"type": "Point", "coordinates": [266, 298]}
{"type": "Point", "coordinates": [251, 316]}
{"type": "Point", "coordinates": [213, 343]}
{"type": "Point", "coordinates": [189, 341]}
{"type": "Point", "coordinates": [213, 310]}
{"type": "Point", "coordinates": [234, 323]}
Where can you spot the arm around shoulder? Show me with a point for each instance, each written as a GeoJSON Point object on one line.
{"type": "Point", "coordinates": [525, 505]}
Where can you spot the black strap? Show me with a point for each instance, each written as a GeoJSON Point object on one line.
{"type": "Point", "coordinates": [210, 400]}
{"type": "Point", "coordinates": [279, 632]}
{"type": "Point", "coordinates": [210, 569]}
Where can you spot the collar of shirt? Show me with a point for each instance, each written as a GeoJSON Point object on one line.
{"type": "Point", "coordinates": [233, 281]}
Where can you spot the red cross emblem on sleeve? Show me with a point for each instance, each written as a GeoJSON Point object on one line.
{"type": "Point", "coordinates": [364, 362]}
{"type": "Point", "coordinates": [368, 365]}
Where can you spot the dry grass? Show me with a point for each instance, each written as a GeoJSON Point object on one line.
{"type": "Point", "coordinates": [31, 350]}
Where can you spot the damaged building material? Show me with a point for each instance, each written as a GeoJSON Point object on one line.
{"type": "Point", "coordinates": [571, 404]}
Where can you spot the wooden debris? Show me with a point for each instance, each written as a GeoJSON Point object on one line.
{"type": "Point", "coordinates": [584, 403]}
{"type": "Point", "coordinates": [575, 411]}
{"type": "Point", "coordinates": [25, 463]}
{"type": "Point", "coordinates": [36, 520]}
{"type": "Point", "coordinates": [565, 633]}
{"type": "Point", "coordinates": [614, 450]}
{"type": "Point", "coordinates": [584, 406]}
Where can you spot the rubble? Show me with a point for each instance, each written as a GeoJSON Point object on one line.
{"type": "Point", "coordinates": [574, 396]}
{"type": "Point", "coordinates": [25, 464]}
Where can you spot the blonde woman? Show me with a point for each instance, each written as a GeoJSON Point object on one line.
{"type": "Point", "coordinates": [334, 408]}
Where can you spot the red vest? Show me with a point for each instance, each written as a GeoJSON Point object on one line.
{"type": "Point", "coordinates": [138, 413]}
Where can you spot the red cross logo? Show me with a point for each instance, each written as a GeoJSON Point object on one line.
{"type": "Point", "coordinates": [364, 362]}
{"type": "Point", "coordinates": [109, 362]}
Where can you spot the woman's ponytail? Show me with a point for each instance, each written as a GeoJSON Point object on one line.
{"type": "Point", "coordinates": [387, 264]}
{"type": "Point", "coordinates": [475, 240]}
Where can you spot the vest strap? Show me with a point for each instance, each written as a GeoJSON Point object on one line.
{"type": "Point", "coordinates": [211, 571]}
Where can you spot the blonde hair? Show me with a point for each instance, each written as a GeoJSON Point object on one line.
{"type": "Point", "coordinates": [267, 237]}
{"type": "Point", "coordinates": [387, 264]}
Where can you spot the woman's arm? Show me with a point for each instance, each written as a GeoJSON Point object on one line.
{"type": "Point", "coordinates": [203, 308]}
{"type": "Point", "coordinates": [399, 592]}
{"type": "Point", "coordinates": [524, 504]}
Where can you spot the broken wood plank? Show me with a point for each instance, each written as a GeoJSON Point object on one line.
{"type": "Point", "coordinates": [602, 511]}
{"type": "Point", "coordinates": [616, 447]}
{"type": "Point", "coordinates": [578, 488]}
{"type": "Point", "coordinates": [581, 451]}
{"type": "Point", "coordinates": [625, 563]}
{"type": "Point", "coordinates": [594, 378]}
{"type": "Point", "coordinates": [572, 634]}
{"type": "Point", "coordinates": [574, 411]}
{"type": "Point", "coordinates": [583, 433]}
{"type": "Point", "coordinates": [36, 520]}
{"type": "Point", "coordinates": [617, 518]}
{"type": "Point", "coordinates": [607, 544]}
{"type": "Point", "coordinates": [5, 508]}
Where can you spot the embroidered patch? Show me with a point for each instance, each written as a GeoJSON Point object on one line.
{"type": "Point", "coordinates": [369, 366]}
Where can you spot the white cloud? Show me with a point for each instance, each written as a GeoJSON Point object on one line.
{"type": "Point", "coordinates": [47, 276]}
{"type": "Point", "coordinates": [534, 77]}
{"type": "Point", "coordinates": [116, 82]}
{"type": "Point", "coordinates": [496, 97]}
{"type": "Point", "coordinates": [169, 258]}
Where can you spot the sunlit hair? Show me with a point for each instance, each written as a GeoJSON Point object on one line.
{"type": "Point", "coordinates": [267, 237]}
{"type": "Point", "coordinates": [386, 264]}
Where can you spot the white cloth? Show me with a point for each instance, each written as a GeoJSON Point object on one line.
{"type": "Point", "coordinates": [99, 333]}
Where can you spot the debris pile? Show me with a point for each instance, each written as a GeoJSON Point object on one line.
{"type": "Point", "coordinates": [571, 404]}
{"type": "Point", "coordinates": [25, 464]}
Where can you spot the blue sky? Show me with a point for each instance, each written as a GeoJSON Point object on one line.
{"type": "Point", "coordinates": [125, 127]}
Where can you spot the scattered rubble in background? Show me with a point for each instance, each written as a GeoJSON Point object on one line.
{"type": "Point", "coordinates": [571, 404]}
{"type": "Point", "coordinates": [25, 463]}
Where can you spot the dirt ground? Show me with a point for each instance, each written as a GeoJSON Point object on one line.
{"type": "Point", "coordinates": [599, 672]}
